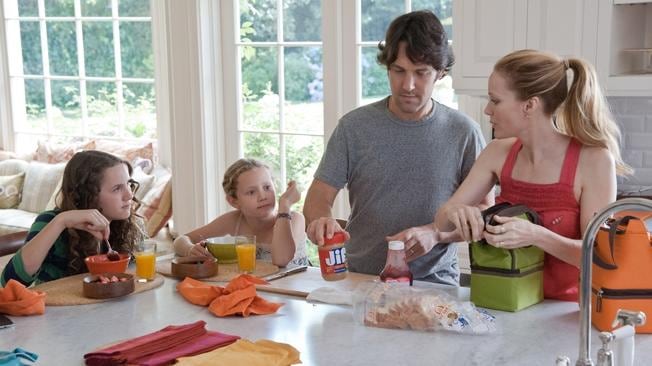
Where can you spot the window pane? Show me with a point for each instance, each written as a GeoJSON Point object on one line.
{"type": "Point", "coordinates": [302, 20]}
{"type": "Point", "coordinates": [376, 16]}
{"type": "Point", "coordinates": [442, 8]}
{"type": "Point", "coordinates": [59, 8]}
{"type": "Point", "coordinates": [34, 107]}
{"type": "Point", "coordinates": [101, 106]}
{"type": "Point", "coordinates": [264, 147]}
{"type": "Point", "coordinates": [302, 158]}
{"type": "Point", "coordinates": [96, 8]}
{"type": "Point", "coordinates": [27, 8]}
{"type": "Point", "coordinates": [374, 76]}
{"type": "Point", "coordinates": [303, 90]}
{"type": "Point", "coordinates": [66, 114]}
{"type": "Point", "coordinates": [139, 110]}
{"type": "Point", "coordinates": [30, 39]}
{"type": "Point", "coordinates": [258, 20]}
{"type": "Point", "coordinates": [136, 44]}
{"type": "Point", "coordinates": [62, 48]}
{"type": "Point", "coordinates": [26, 142]}
{"type": "Point", "coordinates": [133, 8]}
{"type": "Point", "coordinates": [98, 49]}
{"type": "Point", "coordinates": [260, 88]}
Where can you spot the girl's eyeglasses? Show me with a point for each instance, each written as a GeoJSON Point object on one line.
{"type": "Point", "coordinates": [133, 185]}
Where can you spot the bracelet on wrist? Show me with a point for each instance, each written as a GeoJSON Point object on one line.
{"type": "Point", "coordinates": [284, 215]}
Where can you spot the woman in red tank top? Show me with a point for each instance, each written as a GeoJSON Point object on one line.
{"type": "Point", "coordinates": [556, 151]}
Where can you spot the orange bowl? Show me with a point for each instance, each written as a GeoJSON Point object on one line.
{"type": "Point", "coordinates": [98, 264]}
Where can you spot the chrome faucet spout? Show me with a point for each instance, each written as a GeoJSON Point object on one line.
{"type": "Point", "coordinates": [584, 358]}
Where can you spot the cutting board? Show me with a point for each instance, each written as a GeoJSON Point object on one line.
{"type": "Point", "coordinates": [301, 284]}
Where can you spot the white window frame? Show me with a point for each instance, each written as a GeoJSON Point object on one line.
{"type": "Point", "coordinates": [14, 108]}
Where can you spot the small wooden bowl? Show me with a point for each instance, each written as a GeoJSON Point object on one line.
{"type": "Point", "coordinates": [194, 267]}
{"type": "Point", "coordinates": [95, 289]}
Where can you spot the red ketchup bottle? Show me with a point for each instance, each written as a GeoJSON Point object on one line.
{"type": "Point", "coordinates": [396, 269]}
{"type": "Point", "coordinates": [332, 257]}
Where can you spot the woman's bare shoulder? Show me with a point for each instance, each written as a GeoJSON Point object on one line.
{"type": "Point", "coordinates": [594, 157]}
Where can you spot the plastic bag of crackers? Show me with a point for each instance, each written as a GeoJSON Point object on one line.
{"type": "Point", "coordinates": [383, 305]}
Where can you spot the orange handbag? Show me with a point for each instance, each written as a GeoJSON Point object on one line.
{"type": "Point", "coordinates": [622, 269]}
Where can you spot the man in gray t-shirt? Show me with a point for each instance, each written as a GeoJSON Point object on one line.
{"type": "Point", "coordinates": [400, 158]}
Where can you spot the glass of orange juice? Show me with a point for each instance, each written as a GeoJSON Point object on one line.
{"type": "Point", "coordinates": [245, 247]}
{"type": "Point", "coordinates": [146, 260]}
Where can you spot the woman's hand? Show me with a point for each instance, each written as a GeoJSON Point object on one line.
{"type": "Point", "coordinates": [90, 220]}
{"type": "Point", "coordinates": [468, 221]}
{"type": "Point", "coordinates": [289, 197]}
{"type": "Point", "coordinates": [511, 233]}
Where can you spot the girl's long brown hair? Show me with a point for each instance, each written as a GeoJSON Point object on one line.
{"type": "Point", "coordinates": [581, 111]}
{"type": "Point", "coordinates": [80, 188]}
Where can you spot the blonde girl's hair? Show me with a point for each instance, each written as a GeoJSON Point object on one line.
{"type": "Point", "coordinates": [230, 181]}
{"type": "Point", "coordinates": [581, 111]}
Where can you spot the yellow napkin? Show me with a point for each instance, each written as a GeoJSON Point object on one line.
{"type": "Point", "coordinates": [244, 352]}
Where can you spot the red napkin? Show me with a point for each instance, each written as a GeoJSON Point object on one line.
{"type": "Point", "coordinates": [161, 347]}
{"type": "Point", "coordinates": [16, 299]}
{"type": "Point", "coordinates": [237, 298]}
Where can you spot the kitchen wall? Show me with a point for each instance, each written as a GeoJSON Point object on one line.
{"type": "Point", "coordinates": [634, 115]}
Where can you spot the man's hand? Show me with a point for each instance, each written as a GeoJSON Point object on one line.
{"type": "Point", "coordinates": [420, 240]}
{"type": "Point", "coordinates": [324, 227]}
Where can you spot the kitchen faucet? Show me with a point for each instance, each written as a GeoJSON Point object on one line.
{"type": "Point", "coordinates": [584, 358]}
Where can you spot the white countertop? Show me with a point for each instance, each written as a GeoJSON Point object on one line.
{"type": "Point", "coordinates": [324, 334]}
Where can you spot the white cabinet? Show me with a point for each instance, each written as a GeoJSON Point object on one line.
{"type": "Point", "coordinates": [487, 30]}
{"type": "Point", "coordinates": [625, 49]}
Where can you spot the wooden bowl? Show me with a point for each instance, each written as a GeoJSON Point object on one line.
{"type": "Point", "coordinates": [194, 267]}
{"type": "Point", "coordinates": [95, 289]}
{"type": "Point", "coordinates": [98, 264]}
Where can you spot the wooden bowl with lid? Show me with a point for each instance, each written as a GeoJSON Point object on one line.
{"type": "Point", "coordinates": [194, 267]}
{"type": "Point", "coordinates": [108, 285]}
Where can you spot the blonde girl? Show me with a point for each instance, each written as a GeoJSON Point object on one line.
{"type": "Point", "coordinates": [280, 232]}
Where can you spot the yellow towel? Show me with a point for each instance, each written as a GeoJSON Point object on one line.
{"type": "Point", "coordinates": [244, 352]}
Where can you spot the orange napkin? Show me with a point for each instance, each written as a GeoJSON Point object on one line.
{"type": "Point", "coordinates": [244, 352]}
{"type": "Point", "coordinates": [16, 299]}
{"type": "Point", "coordinates": [237, 298]}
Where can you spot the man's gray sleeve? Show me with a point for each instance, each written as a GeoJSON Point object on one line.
{"type": "Point", "coordinates": [334, 166]}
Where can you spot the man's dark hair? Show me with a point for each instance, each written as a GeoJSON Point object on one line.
{"type": "Point", "coordinates": [425, 38]}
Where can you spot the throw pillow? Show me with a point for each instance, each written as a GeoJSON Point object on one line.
{"type": "Point", "coordinates": [40, 181]}
{"type": "Point", "coordinates": [127, 152]}
{"type": "Point", "coordinates": [146, 182]}
{"type": "Point", "coordinates": [11, 187]}
{"type": "Point", "coordinates": [13, 166]}
{"type": "Point", "coordinates": [162, 212]}
{"type": "Point", "coordinates": [51, 153]}
{"type": "Point", "coordinates": [157, 203]}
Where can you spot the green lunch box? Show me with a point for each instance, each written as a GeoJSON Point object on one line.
{"type": "Point", "coordinates": [506, 279]}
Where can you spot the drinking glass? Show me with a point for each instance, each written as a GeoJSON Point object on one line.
{"type": "Point", "coordinates": [245, 247]}
{"type": "Point", "coordinates": [146, 260]}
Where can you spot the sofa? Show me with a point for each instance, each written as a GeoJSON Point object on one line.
{"type": "Point", "coordinates": [29, 184]}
